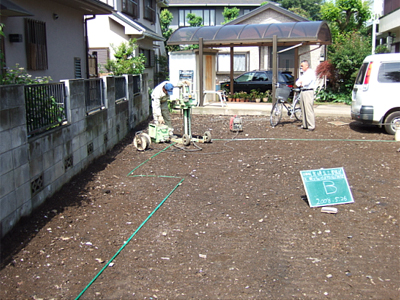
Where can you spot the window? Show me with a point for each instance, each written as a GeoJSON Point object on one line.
{"type": "Point", "coordinates": [149, 54]}
{"type": "Point", "coordinates": [361, 73]}
{"type": "Point", "coordinates": [150, 10]}
{"type": "Point", "coordinates": [208, 16]}
{"type": "Point", "coordinates": [77, 68]}
{"type": "Point", "coordinates": [262, 76]}
{"type": "Point", "coordinates": [239, 62]}
{"type": "Point", "coordinates": [36, 45]}
{"type": "Point", "coordinates": [131, 8]}
{"type": "Point", "coordinates": [389, 72]}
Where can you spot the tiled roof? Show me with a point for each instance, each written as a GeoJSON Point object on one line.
{"type": "Point", "coordinates": [260, 9]}
{"type": "Point", "coordinates": [216, 2]}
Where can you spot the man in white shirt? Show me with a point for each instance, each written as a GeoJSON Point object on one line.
{"type": "Point", "coordinates": [307, 83]}
{"type": "Point", "coordinates": [159, 103]}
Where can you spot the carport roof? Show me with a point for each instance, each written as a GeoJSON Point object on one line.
{"type": "Point", "coordinates": [288, 34]}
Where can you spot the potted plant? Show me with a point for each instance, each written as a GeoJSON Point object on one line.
{"type": "Point", "coordinates": [254, 95]}
{"type": "Point", "coordinates": [266, 96]}
{"type": "Point", "coordinates": [242, 96]}
{"type": "Point", "coordinates": [235, 97]}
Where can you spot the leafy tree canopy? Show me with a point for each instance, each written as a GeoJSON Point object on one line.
{"type": "Point", "coordinates": [347, 55]}
{"type": "Point", "coordinates": [310, 6]}
{"type": "Point", "coordinates": [166, 18]}
{"type": "Point", "coordinates": [230, 14]}
{"type": "Point", "coordinates": [194, 21]}
{"type": "Point", "coordinates": [345, 15]}
{"type": "Point", "coordinates": [125, 61]}
{"type": "Point", "coordinates": [301, 12]}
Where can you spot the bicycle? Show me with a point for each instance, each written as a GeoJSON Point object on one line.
{"type": "Point", "coordinates": [293, 109]}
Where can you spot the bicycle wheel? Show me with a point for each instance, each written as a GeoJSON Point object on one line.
{"type": "Point", "coordinates": [297, 110]}
{"type": "Point", "coordinates": [276, 114]}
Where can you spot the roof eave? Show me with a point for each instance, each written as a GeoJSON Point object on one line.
{"type": "Point", "coordinates": [89, 7]}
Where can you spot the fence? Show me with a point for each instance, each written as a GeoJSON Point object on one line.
{"type": "Point", "coordinates": [94, 94]}
{"type": "Point", "coordinates": [35, 166]}
{"type": "Point", "coordinates": [45, 106]}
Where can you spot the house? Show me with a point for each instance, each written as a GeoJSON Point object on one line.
{"type": "Point", "coordinates": [247, 58]}
{"type": "Point", "coordinates": [389, 25]}
{"type": "Point", "coordinates": [47, 37]}
{"type": "Point", "coordinates": [131, 19]}
{"type": "Point", "coordinates": [209, 10]}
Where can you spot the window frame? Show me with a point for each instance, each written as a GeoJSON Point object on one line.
{"type": "Point", "coordinates": [150, 57]}
{"type": "Point", "coordinates": [246, 58]}
{"type": "Point", "coordinates": [36, 44]}
{"type": "Point", "coordinates": [130, 8]}
{"type": "Point", "coordinates": [385, 69]}
{"type": "Point", "coordinates": [182, 14]}
{"type": "Point", "coordinates": [149, 10]}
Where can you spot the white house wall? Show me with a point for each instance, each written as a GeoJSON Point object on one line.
{"type": "Point", "coordinates": [65, 38]}
{"type": "Point", "coordinates": [107, 30]}
{"type": "Point", "coordinates": [182, 61]}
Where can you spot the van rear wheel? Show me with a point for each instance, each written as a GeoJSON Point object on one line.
{"type": "Point", "coordinates": [392, 122]}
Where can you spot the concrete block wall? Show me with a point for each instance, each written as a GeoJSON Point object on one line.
{"type": "Point", "coordinates": [14, 163]}
{"type": "Point", "coordinates": [33, 169]}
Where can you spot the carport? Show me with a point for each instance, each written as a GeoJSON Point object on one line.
{"type": "Point", "coordinates": [291, 35]}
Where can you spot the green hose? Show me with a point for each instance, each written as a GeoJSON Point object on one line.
{"type": "Point", "coordinates": [141, 225]}
{"type": "Point", "coordinates": [289, 139]}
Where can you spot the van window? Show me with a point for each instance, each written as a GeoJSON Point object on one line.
{"type": "Point", "coordinates": [389, 72]}
{"type": "Point", "coordinates": [361, 73]}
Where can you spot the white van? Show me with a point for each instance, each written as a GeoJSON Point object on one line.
{"type": "Point", "coordinates": [376, 92]}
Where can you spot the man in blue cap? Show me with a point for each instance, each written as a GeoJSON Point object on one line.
{"type": "Point", "coordinates": [159, 103]}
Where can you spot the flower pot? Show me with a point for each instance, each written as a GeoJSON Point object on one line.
{"type": "Point", "coordinates": [258, 100]}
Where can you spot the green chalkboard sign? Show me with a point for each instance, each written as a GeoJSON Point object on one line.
{"type": "Point", "coordinates": [326, 187]}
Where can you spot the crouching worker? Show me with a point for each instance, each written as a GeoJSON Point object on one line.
{"type": "Point", "coordinates": [159, 103]}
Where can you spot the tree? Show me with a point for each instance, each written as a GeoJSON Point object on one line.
{"type": "Point", "coordinates": [347, 55]}
{"type": "Point", "coordinates": [166, 18]}
{"type": "Point", "coordinates": [345, 15]}
{"type": "Point", "coordinates": [194, 21]}
{"type": "Point", "coordinates": [301, 12]}
{"type": "Point", "coordinates": [311, 6]}
{"type": "Point", "coordinates": [230, 14]}
{"type": "Point", "coordinates": [125, 61]}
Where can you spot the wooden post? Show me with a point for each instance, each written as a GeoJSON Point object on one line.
{"type": "Point", "coordinates": [274, 66]}
{"type": "Point", "coordinates": [296, 64]}
{"type": "Point", "coordinates": [232, 56]}
{"type": "Point", "coordinates": [201, 74]}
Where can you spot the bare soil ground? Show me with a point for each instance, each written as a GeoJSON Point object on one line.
{"type": "Point", "coordinates": [227, 222]}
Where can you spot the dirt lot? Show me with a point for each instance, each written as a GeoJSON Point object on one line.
{"type": "Point", "coordinates": [228, 222]}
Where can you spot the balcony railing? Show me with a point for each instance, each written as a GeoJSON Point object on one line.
{"type": "Point", "coordinates": [45, 106]}
{"type": "Point", "coordinates": [94, 94]}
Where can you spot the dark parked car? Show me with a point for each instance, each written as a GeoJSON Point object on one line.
{"type": "Point", "coordinates": [261, 81]}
